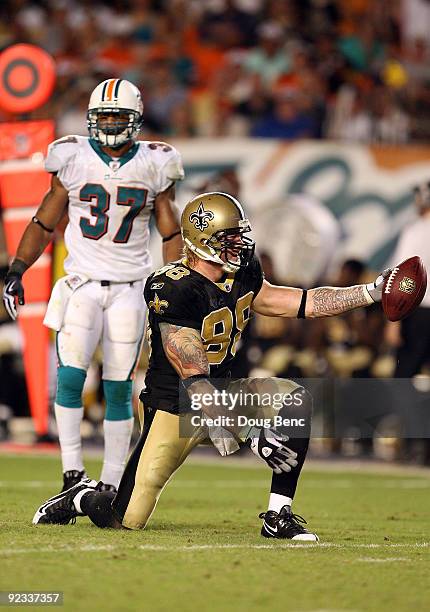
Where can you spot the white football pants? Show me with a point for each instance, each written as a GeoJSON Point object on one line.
{"type": "Point", "coordinates": [113, 315]}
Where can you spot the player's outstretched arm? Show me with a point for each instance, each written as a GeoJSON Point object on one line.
{"type": "Point", "coordinates": [33, 242]}
{"type": "Point", "coordinates": [290, 302]}
{"type": "Point", "coordinates": [167, 221]}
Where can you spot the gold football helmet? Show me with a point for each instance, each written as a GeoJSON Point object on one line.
{"type": "Point", "coordinates": [213, 227]}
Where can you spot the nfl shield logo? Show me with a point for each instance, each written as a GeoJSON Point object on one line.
{"type": "Point", "coordinates": [407, 285]}
{"type": "Point", "coordinates": [114, 165]}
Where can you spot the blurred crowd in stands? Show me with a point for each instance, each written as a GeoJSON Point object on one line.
{"type": "Point", "coordinates": [354, 70]}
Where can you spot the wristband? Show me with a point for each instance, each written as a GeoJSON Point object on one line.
{"type": "Point", "coordinates": [187, 382]}
{"type": "Point", "coordinates": [367, 289]}
{"type": "Point", "coordinates": [302, 307]}
{"type": "Point", "coordinates": [18, 267]}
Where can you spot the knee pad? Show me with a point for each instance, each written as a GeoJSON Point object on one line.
{"type": "Point", "coordinates": [70, 382]}
{"type": "Point", "coordinates": [118, 399]}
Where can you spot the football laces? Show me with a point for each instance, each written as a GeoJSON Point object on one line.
{"type": "Point", "coordinates": [390, 280]}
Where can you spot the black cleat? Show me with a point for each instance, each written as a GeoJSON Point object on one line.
{"type": "Point", "coordinates": [286, 525]}
{"type": "Point", "coordinates": [60, 509]}
{"type": "Point", "coordinates": [71, 478]}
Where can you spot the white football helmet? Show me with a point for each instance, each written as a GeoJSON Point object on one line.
{"type": "Point", "coordinates": [115, 97]}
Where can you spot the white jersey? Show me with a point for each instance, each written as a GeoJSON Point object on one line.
{"type": "Point", "coordinates": [110, 204]}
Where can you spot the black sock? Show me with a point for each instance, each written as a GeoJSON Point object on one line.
{"type": "Point", "coordinates": [285, 483]}
{"type": "Point", "coordinates": [98, 506]}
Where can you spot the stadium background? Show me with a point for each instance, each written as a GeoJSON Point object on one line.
{"type": "Point", "coordinates": [317, 113]}
{"type": "Point", "coordinates": [314, 112]}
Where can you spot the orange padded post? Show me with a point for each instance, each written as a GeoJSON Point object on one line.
{"type": "Point", "coordinates": [35, 355]}
{"type": "Point", "coordinates": [23, 183]}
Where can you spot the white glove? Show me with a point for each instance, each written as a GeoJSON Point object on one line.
{"type": "Point", "coordinates": [270, 447]}
{"type": "Point", "coordinates": [375, 289]}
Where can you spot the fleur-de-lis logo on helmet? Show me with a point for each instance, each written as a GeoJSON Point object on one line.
{"type": "Point", "coordinates": [200, 217]}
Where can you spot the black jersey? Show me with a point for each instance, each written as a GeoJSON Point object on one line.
{"type": "Point", "coordinates": [220, 311]}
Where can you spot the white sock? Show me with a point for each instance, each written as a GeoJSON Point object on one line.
{"type": "Point", "coordinates": [276, 502]}
{"type": "Point", "coordinates": [77, 499]}
{"type": "Point", "coordinates": [117, 443]}
{"type": "Point", "coordinates": [69, 432]}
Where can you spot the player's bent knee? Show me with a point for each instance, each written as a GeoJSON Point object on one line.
{"type": "Point", "coordinates": [70, 382]}
{"type": "Point", "coordinates": [295, 417]}
{"type": "Point", "coordinates": [118, 396]}
{"type": "Point", "coordinates": [141, 506]}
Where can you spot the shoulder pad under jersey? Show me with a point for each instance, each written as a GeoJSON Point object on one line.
{"type": "Point", "coordinates": [168, 162]}
{"type": "Point", "coordinates": [61, 151]}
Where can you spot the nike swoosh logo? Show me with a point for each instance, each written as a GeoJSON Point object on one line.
{"type": "Point", "coordinates": [270, 529]}
{"type": "Point", "coordinates": [46, 505]}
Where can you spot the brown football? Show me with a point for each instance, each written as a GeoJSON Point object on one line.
{"type": "Point", "coordinates": [404, 288]}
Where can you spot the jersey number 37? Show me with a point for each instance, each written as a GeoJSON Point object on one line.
{"type": "Point", "coordinates": [126, 196]}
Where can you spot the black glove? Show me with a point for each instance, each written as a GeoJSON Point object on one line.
{"type": "Point", "coordinates": [270, 447]}
{"type": "Point", "coordinates": [13, 288]}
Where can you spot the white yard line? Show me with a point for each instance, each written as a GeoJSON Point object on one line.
{"type": "Point", "coordinates": [384, 560]}
{"type": "Point", "coordinates": [202, 547]}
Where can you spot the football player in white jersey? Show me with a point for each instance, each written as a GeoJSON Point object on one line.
{"type": "Point", "coordinates": [109, 184]}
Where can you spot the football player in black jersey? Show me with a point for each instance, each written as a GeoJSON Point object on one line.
{"type": "Point", "coordinates": [198, 308]}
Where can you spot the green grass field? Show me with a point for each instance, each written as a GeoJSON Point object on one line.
{"type": "Point", "coordinates": [203, 550]}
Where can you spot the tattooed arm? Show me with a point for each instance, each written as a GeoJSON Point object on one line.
{"type": "Point", "coordinates": [186, 353]}
{"type": "Point", "coordinates": [329, 301]}
{"type": "Point", "coordinates": [278, 301]}
{"type": "Point", "coordinates": [184, 349]}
